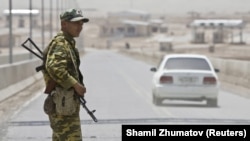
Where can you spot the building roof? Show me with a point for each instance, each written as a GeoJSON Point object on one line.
{"type": "Point", "coordinates": [134, 22]}
{"type": "Point", "coordinates": [217, 23]}
{"type": "Point", "coordinates": [21, 11]}
{"type": "Point", "coordinates": [156, 21]}
{"type": "Point", "coordinates": [165, 40]}
{"type": "Point", "coordinates": [130, 14]}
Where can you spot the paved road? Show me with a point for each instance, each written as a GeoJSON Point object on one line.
{"type": "Point", "coordinates": [119, 88]}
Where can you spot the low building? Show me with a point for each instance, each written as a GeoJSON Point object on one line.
{"type": "Point", "coordinates": [21, 17]}
{"type": "Point", "coordinates": [157, 26]}
{"type": "Point", "coordinates": [166, 44]}
{"type": "Point", "coordinates": [131, 23]}
{"type": "Point", "coordinates": [125, 28]}
{"type": "Point", "coordinates": [137, 15]}
{"type": "Point", "coordinates": [18, 35]}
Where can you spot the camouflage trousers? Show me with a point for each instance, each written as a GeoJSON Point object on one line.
{"type": "Point", "coordinates": [66, 128]}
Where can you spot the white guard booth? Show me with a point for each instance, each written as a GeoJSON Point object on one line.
{"type": "Point", "coordinates": [219, 29]}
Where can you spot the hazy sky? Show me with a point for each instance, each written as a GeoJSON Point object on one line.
{"type": "Point", "coordinates": [153, 6]}
{"type": "Point", "coordinates": [171, 6]}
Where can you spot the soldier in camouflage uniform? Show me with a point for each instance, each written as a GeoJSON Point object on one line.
{"type": "Point", "coordinates": [61, 55]}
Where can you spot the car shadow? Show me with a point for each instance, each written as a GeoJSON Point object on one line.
{"type": "Point", "coordinates": [186, 104]}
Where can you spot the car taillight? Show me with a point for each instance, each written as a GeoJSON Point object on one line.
{"type": "Point", "coordinates": [166, 79]}
{"type": "Point", "coordinates": [209, 80]}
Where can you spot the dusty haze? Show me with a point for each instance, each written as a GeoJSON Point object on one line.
{"type": "Point", "coordinates": [152, 6]}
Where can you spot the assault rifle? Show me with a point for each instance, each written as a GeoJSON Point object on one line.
{"type": "Point", "coordinates": [52, 83]}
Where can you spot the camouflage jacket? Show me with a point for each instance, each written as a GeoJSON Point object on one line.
{"type": "Point", "coordinates": [59, 65]}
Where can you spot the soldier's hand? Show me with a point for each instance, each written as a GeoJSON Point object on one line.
{"type": "Point", "coordinates": [80, 89]}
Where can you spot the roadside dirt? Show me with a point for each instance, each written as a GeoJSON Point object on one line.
{"type": "Point", "coordinates": [9, 106]}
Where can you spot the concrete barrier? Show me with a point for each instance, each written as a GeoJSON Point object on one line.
{"type": "Point", "coordinates": [235, 72]}
{"type": "Point", "coordinates": [4, 59]}
{"type": "Point", "coordinates": [18, 76]}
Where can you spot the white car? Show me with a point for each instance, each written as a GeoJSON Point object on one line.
{"type": "Point", "coordinates": [185, 77]}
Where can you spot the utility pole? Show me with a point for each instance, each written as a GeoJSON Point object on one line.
{"type": "Point", "coordinates": [31, 24]}
{"type": "Point", "coordinates": [57, 15]}
{"type": "Point", "coordinates": [42, 19]}
{"type": "Point", "coordinates": [51, 16]}
{"type": "Point", "coordinates": [10, 32]}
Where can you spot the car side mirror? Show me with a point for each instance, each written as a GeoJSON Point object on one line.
{"type": "Point", "coordinates": [153, 69]}
{"type": "Point", "coordinates": [217, 70]}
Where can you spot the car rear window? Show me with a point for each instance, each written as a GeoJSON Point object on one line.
{"type": "Point", "coordinates": [187, 63]}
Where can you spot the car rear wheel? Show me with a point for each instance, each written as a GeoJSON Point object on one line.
{"type": "Point", "coordinates": [212, 102]}
{"type": "Point", "coordinates": [157, 101]}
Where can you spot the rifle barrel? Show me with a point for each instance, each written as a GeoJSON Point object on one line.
{"type": "Point", "coordinates": [91, 113]}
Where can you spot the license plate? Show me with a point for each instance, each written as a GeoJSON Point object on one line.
{"type": "Point", "coordinates": [187, 80]}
